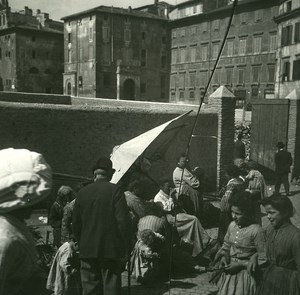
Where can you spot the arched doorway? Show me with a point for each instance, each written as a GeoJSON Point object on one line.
{"type": "Point", "coordinates": [69, 88]}
{"type": "Point", "coordinates": [129, 89]}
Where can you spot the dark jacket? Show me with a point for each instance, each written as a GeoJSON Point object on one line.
{"type": "Point", "coordinates": [283, 162]}
{"type": "Point", "coordinates": [101, 221]}
{"type": "Point", "coordinates": [239, 150]}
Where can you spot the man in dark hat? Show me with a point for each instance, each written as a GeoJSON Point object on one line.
{"type": "Point", "coordinates": [283, 162]}
{"type": "Point", "coordinates": [101, 224]}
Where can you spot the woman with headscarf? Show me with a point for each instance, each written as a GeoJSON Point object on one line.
{"type": "Point", "coordinates": [25, 180]}
{"type": "Point", "coordinates": [64, 195]}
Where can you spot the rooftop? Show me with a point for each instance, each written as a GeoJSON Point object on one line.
{"type": "Point", "coordinates": [114, 10]}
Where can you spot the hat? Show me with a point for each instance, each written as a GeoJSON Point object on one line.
{"type": "Point", "coordinates": [25, 179]}
{"type": "Point", "coordinates": [280, 145]}
{"type": "Point", "coordinates": [105, 164]}
{"type": "Point", "coordinates": [64, 190]}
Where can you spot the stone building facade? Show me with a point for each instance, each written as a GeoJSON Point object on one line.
{"type": "Point", "coordinates": [116, 53]}
{"type": "Point", "coordinates": [31, 51]}
{"type": "Point", "coordinates": [247, 65]}
{"type": "Point", "coordinates": [288, 53]}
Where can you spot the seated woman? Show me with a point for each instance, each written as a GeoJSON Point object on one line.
{"type": "Point", "coordinates": [282, 276]}
{"type": "Point", "coordinates": [244, 243]}
{"type": "Point", "coordinates": [188, 226]}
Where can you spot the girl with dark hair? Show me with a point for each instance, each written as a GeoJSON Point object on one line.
{"type": "Point", "coordinates": [244, 242]}
{"type": "Point", "coordinates": [234, 185]}
{"type": "Point", "coordinates": [282, 277]}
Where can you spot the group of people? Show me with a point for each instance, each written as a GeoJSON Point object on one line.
{"type": "Point", "coordinates": [105, 228]}
{"type": "Point", "coordinates": [251, 260]}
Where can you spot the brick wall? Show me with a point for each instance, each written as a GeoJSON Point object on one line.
{"type": "Point", "coordinates": [72, 137]}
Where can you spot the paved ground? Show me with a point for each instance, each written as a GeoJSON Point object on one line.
{"type": "Point", "coordinates": [199, 284]}
{"type": "Point", "coordinates": [186, 285]}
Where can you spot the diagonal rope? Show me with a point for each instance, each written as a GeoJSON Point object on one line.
{"type": "Point", "coordinates": [234, 5]}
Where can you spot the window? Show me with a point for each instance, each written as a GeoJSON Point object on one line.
{"type": "Point", "coordinates": [204, 52]}
{"type": "Point", "coordinates": [173, 81]}
{"type": "Point", "coordinates": [193, 30]}
{"type": "Point", "coordinates": [257, 45]}
{"type": "Point", "coordinates": [286, 35]}
{"type": "Point", "coordinates": [182, 32]}
{"type": "Point", "coordinates": [193, 54]}
{"type": "Point", "coordinates": [91, 33]}
{"type": "Point", "coordinates": [80, 53]}
{"type": "Point", "coordinates": [215, 50]}
{"type": "Point", "coordinates": [143, 88]}
{"type": "Point", "coordinates": [33, 54]}
{"type": "Point", "coordinates": [256, 70]}
{"type": "Point", "coordinates": [7, 53]}
{"type": "Point", "coordinates": [216, 25]}
{"type": "Point", "coordinates": [242, 46]}
{"type": "Point", "coordinates": [258, 15]}
{"type": "Point", "coordinates": [229, 75]}
{"type": "Point", "coordinates": [181, 82]}
{"type": "Point", "coordinates": [91, 52]}
{"type": "Point", "coordinates": [204, 27]}
{"type": "Point", "coordinates": [69, 38]}
{"type": "Point", "coordinates": [163, 61]}
{"type": "Point", "coordinates": [271, 73]}
{"type": "Point", "coordinates": [33, 38]}
{"type": "Point", "coordinates": [297, 33]}
{"type": "Point", "coordinates": [273, 42]}
{"type": "Point", "coordinates": [182, 55]}
{"type": "Point", "coordinates": [241, 76]}
{"type": "Point", "coordinates": [192, 79]}
{"type": "Point", "coordinates": [127, 35]}
{"type": "Point", "coordinates": [105, 32]}
{"type": "Point", "coordinates": [181, 95]}
{"type": "Point", "coordinates": [230, 47]}
{"type": "Point", "coordinates": [296, 70]}
{"type": "Point", "coordinates": [288, 6]}
{"type": "Point", "coordinates": [80, 82]}
{"type": "Point", "coordinates": [0, 53]}
{"type": "Point", "coordinates": [174, 56]}
{"type": "Point", "coordinates": [243, 18]}
{"type": "Point", "coordinates": [203, 78]}
{"type": "Point", "coordinates": [192, 95]}
{"type": "Point", "coordinates": [164, 39]}
{"type": "Point", "coordinates": [143, 57]}
{"type": "Point", "coordinates": [216, 77]}
{"type": "Point", "coordinates": [174, 34]}
{"type": "Point", "coordinates": [69, 55]}
{"type": "Point", "coordinates": [286, 71]}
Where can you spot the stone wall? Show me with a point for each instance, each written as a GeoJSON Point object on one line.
{"type": "Point", "coordinates": [71, 137]}
{"type": "Point", "coordinates": [34, 98]}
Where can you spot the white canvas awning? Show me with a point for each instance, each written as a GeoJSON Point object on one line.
{"type": "Point", "coordinates": [126, 154]}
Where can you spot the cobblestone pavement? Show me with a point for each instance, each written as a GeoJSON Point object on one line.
{"type": "Point", "coordinates": [198, 284]}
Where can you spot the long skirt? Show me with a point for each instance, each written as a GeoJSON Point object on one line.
{"type": "Point", "coordinates": [191, 231]}
{"type": "Point", "coordinates": [238, 284]}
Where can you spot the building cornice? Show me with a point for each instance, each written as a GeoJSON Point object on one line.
{"type": "Point", "coordinates": [288, 15]}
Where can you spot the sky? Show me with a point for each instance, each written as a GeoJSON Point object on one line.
{"type": "Point", "coordinates": [60, 8]}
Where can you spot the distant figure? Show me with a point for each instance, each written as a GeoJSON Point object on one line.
{"type": "Point", "coordinates": [283, 162]}
{"type": "Point", "coordinates": [25, 180]}
{"type": "Point", "coordinates": [101, 225]}
{"type": "Point", "coordinates": [239, 148]}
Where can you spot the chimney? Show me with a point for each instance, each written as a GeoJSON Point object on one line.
{"type": "Point", "coordinates": [129, 9]}
{"type": "Point", "coordinates": [38, 11]}
{"type": "Point", "coordinates": [156, 2]}
{"type": "Point", "coordinates": [28, 11]}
